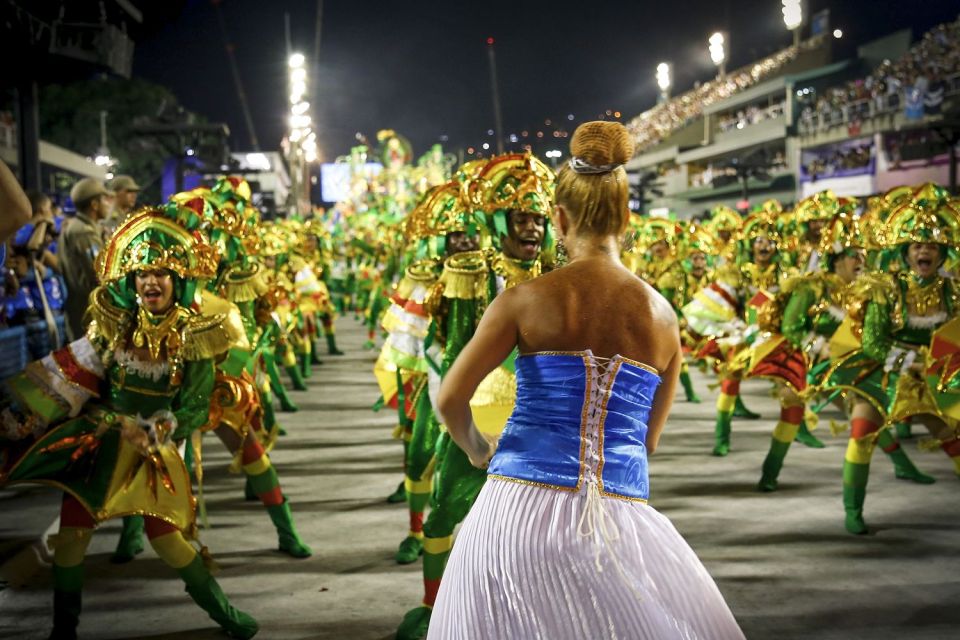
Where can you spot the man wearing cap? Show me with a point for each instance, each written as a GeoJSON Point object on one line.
{"type": "Point", "coordinates": [125, 190]}
{"type": "Point", "coordinates": [82, 241]}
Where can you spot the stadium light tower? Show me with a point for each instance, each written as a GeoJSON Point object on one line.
{"type": "Point", "coordinates": [793, 17]}
{"type": "Point", "coordinates": [664, 80]}
{"type": "Point", "coordinates": [302, 139]}
{"type": "Point", "coordinates": [718, 52]}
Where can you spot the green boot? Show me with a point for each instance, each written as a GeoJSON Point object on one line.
{"type": "Point", "coordinates": [687, 383]}
{"type": "Point", "coordinates": [772, 465]}
{"type": "Point", "coordinates": [740, 410]}
{"type": "Point", "coordinates": [806, 438]}
{"type": "Point", "coordinates": [210, 597]}
{"type": "Point", "coordinates": [415, 624]}
{"type": "Point", "coordinates": [286, 404]}
{"type": "Point", "coordinates": [315, 356]}
{"type": "Point", "coordinates": [722, 434]}
{"type": "Point", "coordinates": [332, 345]}
{"type": "Point", "coordinates": [904, 468]}
{"type": "Point", "coordinates": [248, 492]}
{"type": "Point", "coordinates": [853, 497]}
{"type": "Point", "coordinates": [400, 495]}
{"type": "Point", "coordinates": [131, 540]}
{"type": "Point", "coordinates": [409, 550]}
{"type": "Point", "coordinates": [296, 378]}
{"type": "Point", "coordinates": [68, 585]}
{"type": "Point", "coordinates": [66, 614]}
{"type": "Point", "coordinates": [904, 430]}
{"type": "Point", "coordinates": [289, 541]}
{"type": "Point", "coordinates": [305, 370]}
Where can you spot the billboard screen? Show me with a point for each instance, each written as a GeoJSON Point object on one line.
{"type": "Point", "coordinates": [335, 179]}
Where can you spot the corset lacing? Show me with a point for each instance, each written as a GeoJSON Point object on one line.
{"type": "Point", "coordinates": [594, 521]}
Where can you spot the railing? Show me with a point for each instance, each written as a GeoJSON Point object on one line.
{"type": "Point", "coordinates": [752, 118]}
{"type": "Point", "coordinates": [829, 116]}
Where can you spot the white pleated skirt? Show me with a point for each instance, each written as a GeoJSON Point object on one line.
{"type": "Point", "coordinates": [526, 565]}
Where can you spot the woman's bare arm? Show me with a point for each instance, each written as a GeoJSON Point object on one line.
{"type": "Point", "coordinates": [663, 398]}
{"type": "Point", "coordinates": [15, 210]}
{"type": "Point", "coordinates": [495, 338]}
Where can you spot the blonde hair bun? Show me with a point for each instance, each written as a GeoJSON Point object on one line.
{"type": "Point", "coordinates": [601, 143]}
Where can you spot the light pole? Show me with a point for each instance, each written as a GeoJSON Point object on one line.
{"type": "Point", "coordinates": [793, 18]}
{"type": "Point", "coordinates": [497, 120]}
{"type": "Point", "coordinates": [103, 158]}
{"type": "Point", "coordinates": [302, 139]}
{"type": "Point", "coordinates": [718, 53]}
{"type": "Point", "coordinates": [664, 80]}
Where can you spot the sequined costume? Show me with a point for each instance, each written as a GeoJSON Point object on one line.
{"type": "Point", "coordinates": [899, 318]}
{"type": "Point", "coordinates": [725, 314]}
{"type": "Point", "coordinates": [106, 417]}
{"type": "Point", "coordinates": [679, 284]}
{"type": "Point", "coordinates": [470, 280]}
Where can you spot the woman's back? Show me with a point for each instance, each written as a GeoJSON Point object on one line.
{"type": "Point", "coordinates": [596, 304]}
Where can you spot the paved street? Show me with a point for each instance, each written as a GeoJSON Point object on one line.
{"type": "Point", "coordinates": [783, 561]}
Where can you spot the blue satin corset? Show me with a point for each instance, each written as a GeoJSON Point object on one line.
{"type": "Point", "coordinates": [577, 419]}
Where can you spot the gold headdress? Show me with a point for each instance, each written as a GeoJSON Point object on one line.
{"type": "Point", "coordinates": [149, 239]}
{"type": "Point", "coordinates": [930, 216]}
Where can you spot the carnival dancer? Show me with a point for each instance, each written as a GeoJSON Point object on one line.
{"type": "Point", "coordinates": [446, 220]}
{"type": "Point", "coordinates": [110, 411]}
{"type": "Point", "coordinates": [724, 224]}
{"type": "Point", "coordinates": [898, 371]}
{"type": "Point", "coordinates": [287, 345]}
{"type": "Point", "coordinates": [516, 192]}
{"type": "Point", "coordinates": [560, 543]}
{"type": "Point", "coordinates": [240, 410]}
{"type": "Point", "coordinates": [810, 216]}
{"type": "Point", "coordinates": [317, 250]}
{"type": "Point", "coordinates": [662, 263]}
{"type": "Point", "coordinates": [678, 286]}
{"type": "Point", "coordinates": [402, 367]}
{"type": "Point", "coordinates": [798, 356]}
{"type": "Point", "coordinates": [725, 312]}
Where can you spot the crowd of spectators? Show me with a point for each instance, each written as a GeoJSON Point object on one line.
{"type": "Point", "coordinates": [751, 115]}
{"type": "Point", "coordinates": [48, 262]}
{"type": "Point", "coordinates": [654, 125]}
{"type": "Point", "coordinates": [915, 84]}
{"type": "Point", "coordinates": [722, 172]}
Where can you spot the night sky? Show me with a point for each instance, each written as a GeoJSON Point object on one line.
{"type": "Point", "coordinates": [420, 67]}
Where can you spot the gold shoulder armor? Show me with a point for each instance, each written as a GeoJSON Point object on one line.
{"type": "Point", "coordinates": [108, 321]}
{"type": "Point", "coordinates": [297, 262]}
{"type": "Point", "coordinates": [244, 286]}
{"type": "Point", "coordinates": [672, 278]}
{"type": "Point", "coordinates": [465, 276]}
{"type": "Point", "coordinates": [212, 305]}
{"type": "Point", "coordinates": [815, 281]}
{"type": "Point", "coordinates": [423, 271]}
{"type": "Point", "coordinates": [876, 287]}
{"type": "Point", "coordinates": [434, 299]}
{"type": "Point", "coordinates": [420, 273]}
{"type": "Point", "coordinates": [730, 274]}
{"type": "Point", "coordinates": [206, 336]}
